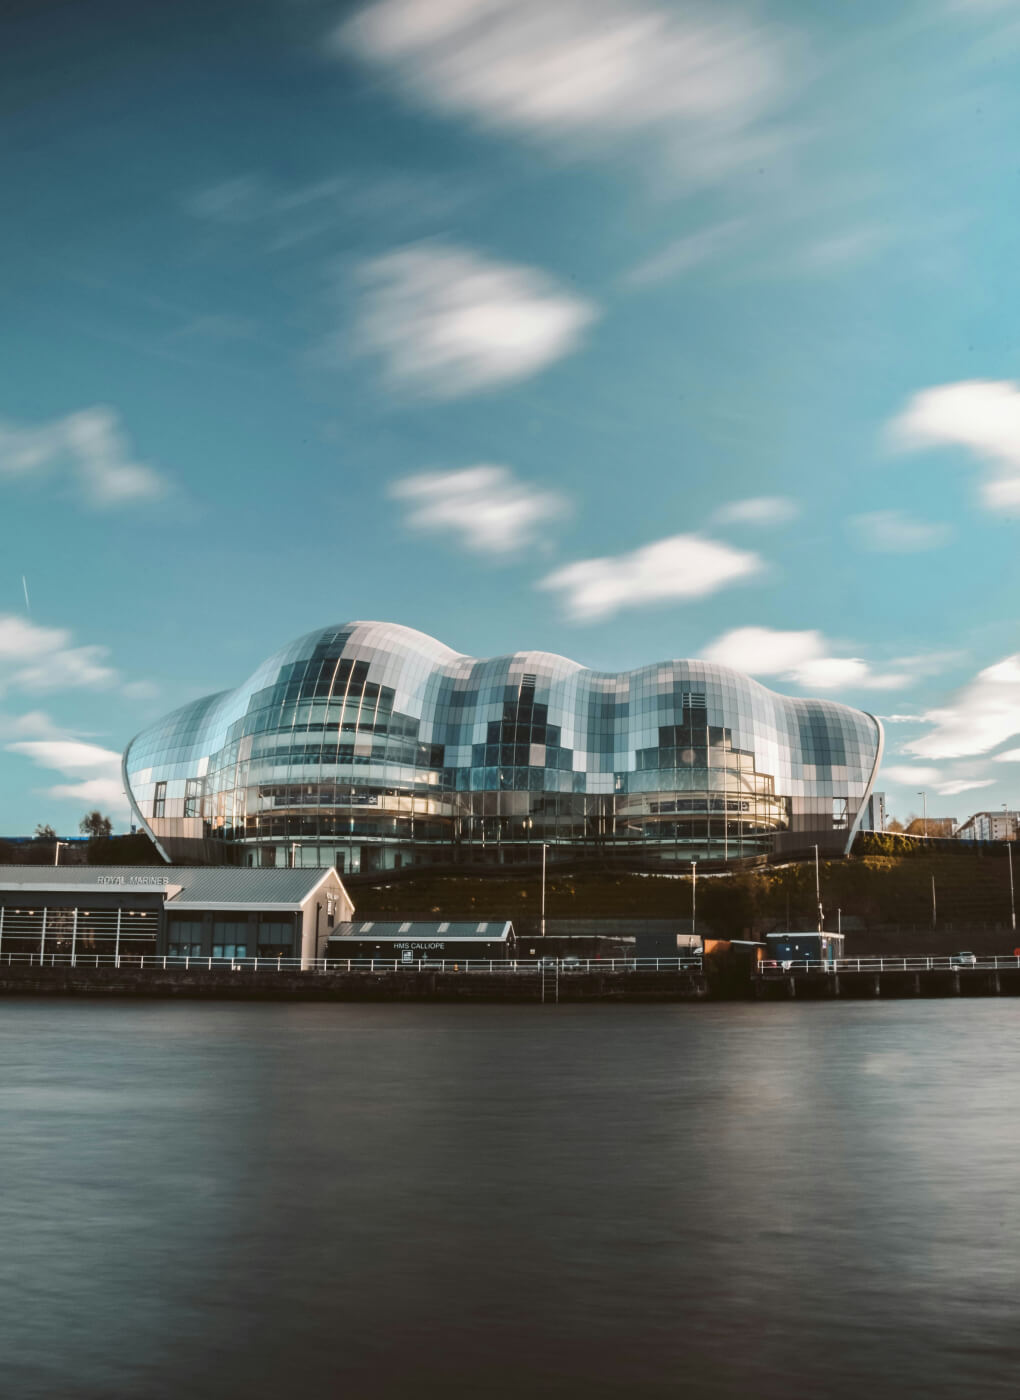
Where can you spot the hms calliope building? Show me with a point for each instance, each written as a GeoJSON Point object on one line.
{"type": "Point", "coordinates": [370, 746]}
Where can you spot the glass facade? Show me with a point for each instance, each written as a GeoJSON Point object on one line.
{"type": "Point", "coordinates": [372, 746]}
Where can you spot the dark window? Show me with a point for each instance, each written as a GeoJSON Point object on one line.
{"type": "Point", "coordinates": [159, 800]}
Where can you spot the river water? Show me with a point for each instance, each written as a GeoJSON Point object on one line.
{"type": "Point", "coordinates": [215, 1200]}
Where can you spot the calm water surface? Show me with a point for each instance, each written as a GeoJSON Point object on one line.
{"type": "Point", "coordinates": [217, 1200]}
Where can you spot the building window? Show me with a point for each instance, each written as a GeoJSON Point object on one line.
{"type": "Point", "coordinates": [193, 797]}
{"type": "Point", "coordinates": [230, 950]}
{"type": "Point", "coordinates": [159, 800]}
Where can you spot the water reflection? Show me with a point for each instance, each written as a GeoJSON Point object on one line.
{"type": "Point", "coordinates": [393, 1201]}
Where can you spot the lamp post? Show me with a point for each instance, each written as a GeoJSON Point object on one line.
{"type": "Point", "coordinates": [924, 807]}
{"type": "Point", "coordinates": [694, 897]}
{"type": "Point", "coordinates": [1009, 857]}
{"type": "Point", "coordinates": [543, 890]}
{"type": "Point", "coordinates": [818, 894]}
{"type": "Point", "coordinates": [56, 853]}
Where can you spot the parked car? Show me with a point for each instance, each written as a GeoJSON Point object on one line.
{"type": "Point", "coordinates": [964, 959]}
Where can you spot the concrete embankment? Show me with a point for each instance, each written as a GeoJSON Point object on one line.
{"type": "Point", "coordinates": [244, 984]}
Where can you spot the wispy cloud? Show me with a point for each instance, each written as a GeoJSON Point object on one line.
{"type": "Point", "coordinates": [684, 254]}
{"type": "Point", "coordinates": [758, 510]}
{"type": "Point", "coordinates": [982, 715]}
{"type": "Point", "coordinates": [288, 215]}
{"type": "Point", "coordinates": [36, 658]}
{"type": "Point", "coordinates": [94, 771]}
{"type": "Point", "coordinates": [895, 532]}
{"type": "Point", "coordinates": [486, 507]}
{"type": "Point", "coordinates": [982, 416]}
{"type": "Point", "coordinates": [447, 321]}
{"type": "Point", "coordinates": [89, 444]}
{"type": "Point", "coordinates": [809, 659]}
{"type": "Point", "coordinates": [585, 74]}
{"type": "Point", "coordinates": [683, 566]}
{"type": "Point", "coordinates": [845, 247]}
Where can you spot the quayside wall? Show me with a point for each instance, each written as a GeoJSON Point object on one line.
{"type": "Point", "coordinates": [399, 984]}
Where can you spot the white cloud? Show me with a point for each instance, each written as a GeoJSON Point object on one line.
{"type": "Point", "coordinates": [92, 444]}
{"type": "Point", "coordinates": [982, 416]}
{"type": "Point", "coordinates": [1008, 756]}
{"type": "Point", "coordinates": [68, 755]}
{"type": "Point", "coordinates": [895, 532]}
{"type": "Point", "coordinates": [981, 716]}
{"type": "Point", "coordinates": [581, 74]}
{"type": "Point", "coordinates": [910, 777]}
{"type": "Point", "coordinates": [758, 510]}
{"type": "Point", "coordinates": [447, 321]}
{"type": "Point", "coordinates": [848, 246]}
{"type": "Point", "coordinates": [950, 789]}
{"type": "Point", "coordinates": [101, 784]}
{"type": "Point", "coordinates": [804, 657]}
{"type": "Point", "coordinates": [683, 566]}
{"type": "Point", "coordinates": [40, 658]}
{"type": "Point", "coordinates": [684, 254]}
{"type": "Point", "coordinates": [35, 724]}
{"type": "Point", "coordinates": [106, 793]}
{"type": "Point", "coordinates": [485, 506]}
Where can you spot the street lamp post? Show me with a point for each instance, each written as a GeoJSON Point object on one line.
{"type": "Point", "coordinates": [694, 897]}
{"type": "Point", "coordinates": [1009, 857]}
{"type": "Point", "coordinates": [543, 890]}
{"type": "Point", "coordinates": [924, 807]}
{"type": "Point", "coordinates": [56, 853]}
{"type": "Point", "coordinates": [818, 894]}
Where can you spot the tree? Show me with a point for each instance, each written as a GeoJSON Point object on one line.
{"type": "Point", "coordinates": [894, 825]}
{"type": "Point", "coordinates": [45, 832]}
{"type": "Point", "coordinates": [96, 826]}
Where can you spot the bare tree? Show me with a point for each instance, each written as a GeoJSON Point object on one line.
{"type": "Point", "coordinates": [45, 832]}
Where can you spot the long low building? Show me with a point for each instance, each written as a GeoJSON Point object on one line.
{"type": "Point", "coordinates": [415, 941]}
{"type": "Point", "coordinates": [200, 912]}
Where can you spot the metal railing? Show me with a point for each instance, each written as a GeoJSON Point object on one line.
{"type": "Point", "coordinates": [951, 963]}
{"type": "Point", "coordinates": [170, 962]}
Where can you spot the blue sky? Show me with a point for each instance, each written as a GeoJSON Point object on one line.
{"type": "Point", "coordinates": [618, 328]}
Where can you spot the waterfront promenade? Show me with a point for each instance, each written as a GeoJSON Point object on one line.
{"type": "Point", "coordinates": [546, 980]}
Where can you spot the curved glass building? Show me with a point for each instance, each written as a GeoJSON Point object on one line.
{"type": "Point", "coordinates": [371, 746]}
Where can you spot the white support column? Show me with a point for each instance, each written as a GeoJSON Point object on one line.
{"type": "Point", "coordinates": [1, 928]}
{"type": "Point", "coordinates": [42, 940]}
{"type": "Point", "coordinates": [74, 935]}
{"type": "Point", "coordinates": [116, 948]}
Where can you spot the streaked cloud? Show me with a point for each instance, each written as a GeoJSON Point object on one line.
{"type": "Point", "coordinates": [896, 532]}
{"type": "Point", "coordinates": [979, 415]}
{"type": "Point", "coordinates": [684, 254]}
{"type": "Point", "coordinates": [982, 715]}
{"type": "Point", "coordinates": [758, 510]}
{"type": "Point", "coordinates": [909, 777]}
{"type": "Point", "coordinates": [805, 657]}
{"type": "Point", "coordinates": [91, 448]}
{"type": "Point", "coordinates": [34, 658]}
{"type": "Point", "coordinates": [956, 785]}
{"type": "Point", "coordinates": [682, 566]}
{"type": "Point", "coordinates": [485, 507]}
{"type": "Point", "coordinates": [95, 772]}
{"type": "Point", "coordinates": [582, 75]}
{"type": "Point", "coordinates": [447, 321]}
{"type": "Point", "coordinates": [1008, 756]}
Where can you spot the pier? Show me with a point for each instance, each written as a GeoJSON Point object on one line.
{"type": "Point", "coordinates": [887, 977]}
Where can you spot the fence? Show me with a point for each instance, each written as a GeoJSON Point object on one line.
{"type": "Point", "coordinates": [956, 963]}
{"type": "Point", "coordinates": [159, 962]}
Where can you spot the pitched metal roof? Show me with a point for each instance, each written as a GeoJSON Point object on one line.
{"type": "Point", "coordinates": [490, 931]}
{"type": "Point", "coordinates": [186, 887]}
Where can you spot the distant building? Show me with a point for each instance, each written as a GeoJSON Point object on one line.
{"type": "Point", "coordinates": [368, 746]}
{"type": "Point", "coordinates": [989, 826]}
{"type": "Point", "coordinates": [177, 911]}
{"type": "Point", "coordinates": [873, 813]}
